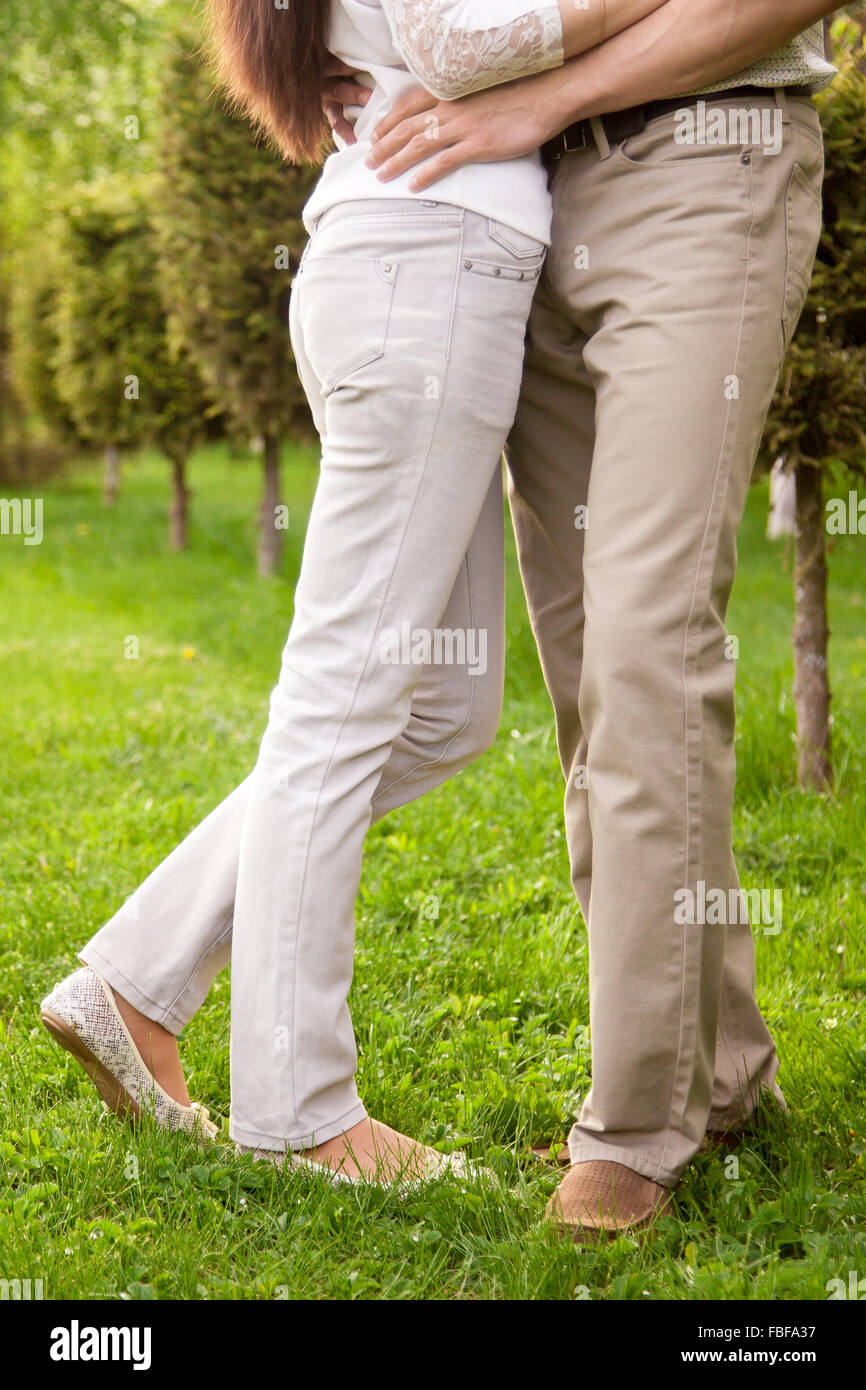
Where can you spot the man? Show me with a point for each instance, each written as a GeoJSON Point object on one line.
{"type": "Point", "coordinates": [686, 193]}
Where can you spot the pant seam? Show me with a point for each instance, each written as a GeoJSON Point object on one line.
{"type": "Point", "coordinates": [434, 762]}
{"type": "Point", "coordinates": [454, 289]}
{"type": "Point", "coordinates": [723, 1039]}
{"type": "Point", "coordinates": [744, 1091]}
{"type": "Point", "coordinates": [685, 687]}
{"type": "Point", "coordinates": [214, 944]}
{"type": "Point", "coordinates": [386, 592]}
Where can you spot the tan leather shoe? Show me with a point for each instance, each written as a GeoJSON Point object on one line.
{"type": "Point", "coordinates": [598, 1200]}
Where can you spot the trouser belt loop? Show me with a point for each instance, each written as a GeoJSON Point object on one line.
{"type": "Point", "coordinates": [600, 136]}
{"type": "Point", "coordinates": [619, 125]}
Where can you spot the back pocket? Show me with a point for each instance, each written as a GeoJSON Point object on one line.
{"type": "Point", "coordinates": [344, 309]}
{"type": "Point", "coordinates": [520, 245]}
{"type": "Point", "coordinates": [802, 235]}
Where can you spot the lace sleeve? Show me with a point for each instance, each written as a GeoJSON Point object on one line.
{"type": "Point", "coordinates": [459, 46]}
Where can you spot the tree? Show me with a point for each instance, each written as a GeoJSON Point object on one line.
{"type": "Point", "coordinates": [34, 347]}
{"type": "Point", "coordinates": [11, 410]}
{"type": "Point", "coordinates": [229, 236]}
{"type": "Point", "coordinates": [816, 418]}
{"type": "Point", "coordinates": [77, 92]}
{"type": "Point", "coordinates": [24, 460]}
{"type": "Point", "coordinates": [120, 380]}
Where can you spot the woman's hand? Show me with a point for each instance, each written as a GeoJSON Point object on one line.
{"type": "Point", "coordinates": [502, 122]}
{"type": "Point", "coordinates": [342, 89]}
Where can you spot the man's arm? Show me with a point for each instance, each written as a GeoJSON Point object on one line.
{"type": "Point", "coordinates": [455, 47]}
{"type": "Point", "coordinates": [683, 45]}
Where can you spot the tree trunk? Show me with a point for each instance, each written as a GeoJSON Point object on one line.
{"type": "Point", "coordinates": [269, 536]}
{"type": "Point", "coordinates": [811, 684]}
{"type": "Point", "coordinates": [179, 514]}
{"type": "Point", "coordinates": [111, 477]}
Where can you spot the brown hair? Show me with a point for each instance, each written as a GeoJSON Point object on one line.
{"type": "Point", "coordinates": [273, 60]}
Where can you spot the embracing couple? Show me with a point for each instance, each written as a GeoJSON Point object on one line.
{"type": "Point", "coordinates": [520, 243]}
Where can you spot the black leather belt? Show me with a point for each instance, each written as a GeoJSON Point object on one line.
{"type": "Point", "coordinates": [618, 125]}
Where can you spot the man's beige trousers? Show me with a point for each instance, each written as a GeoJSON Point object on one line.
{"type": "Point", "coordinates": [677, 274]}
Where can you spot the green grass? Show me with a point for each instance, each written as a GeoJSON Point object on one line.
{"type": "Point", "coordinates": [471, 1024]}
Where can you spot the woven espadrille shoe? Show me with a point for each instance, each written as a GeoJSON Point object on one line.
{"type": "Point", "coordinates": [598, 1200]}
{"type": "Point", "coordinates": [436, 1165]}
{"type": "Point", "coordinates": [81, 1014]}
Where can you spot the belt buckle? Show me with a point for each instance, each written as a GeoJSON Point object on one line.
{"type": "Point", "coordinates": [580, 143]}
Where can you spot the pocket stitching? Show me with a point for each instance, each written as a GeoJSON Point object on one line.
{"type": "Point", "coordinates": [806, 183]}
{"type": "Point", "coordinates": [815, 137]}
{"type": "Point", "coordinates": [730, 157]}
{"type": "Point", "coordinates": [793, 272]}
{"type": "Point", "coordinates": [732, 154]}
{"type": "Point", "coordinates": [342, 373]}
{"type": "Point", "coordinates": [496, 271]}
{"type": "Point", "coordinates": [496, 234]}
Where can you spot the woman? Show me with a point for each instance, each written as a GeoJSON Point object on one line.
{"type": "Point", "coordinates": [407, 321]}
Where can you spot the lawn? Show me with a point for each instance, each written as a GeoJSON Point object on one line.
{"type": "Point", "coordinates": [470, 992]}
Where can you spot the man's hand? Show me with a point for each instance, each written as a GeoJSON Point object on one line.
{"type": "Point", "coordinates": [341, 89]}
{"type": "Point", "coordinates": [682, 46]}
{"type": "Point", "coordinates": [499, 123]}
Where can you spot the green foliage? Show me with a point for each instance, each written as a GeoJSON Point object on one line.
{"type": "Point", "coordinates": [470, 990]}
{"type": "Point", "coordinates": [84, 278]}
{"type": "Point", "coordinates": [78, 86]}
{"type": "Point", "coordinates": [11, 410]}
{"type": "Point", "coordinates": [119, 380]}
{"type": "Point", "coordinates": [818, 410]}
{"type": "Point", "coordinates": [70, 73]}
{"type": "Point", "coordinates": [224, 207]}
{"type": "Point", "coordinates": [34, 348]}
{"type": "Point", "coordinates": [21, 457]}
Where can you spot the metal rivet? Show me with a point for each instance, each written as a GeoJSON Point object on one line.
{"type": "Point", "coordinates": [746, 159]}
{"type": "Point", "coordinates": [467, 265]}
{"type": "Point", "coordinates": [496, 270]}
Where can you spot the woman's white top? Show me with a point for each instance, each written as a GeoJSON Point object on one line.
{"type": "Point", "coordinates": [451, 47]}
